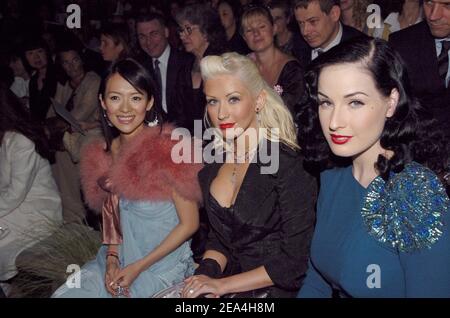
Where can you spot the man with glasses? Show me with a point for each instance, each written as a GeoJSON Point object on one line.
{"type": "Point", "coordinates": [164, 62]}
{"type": "Point", "coordinates": [425, 47]}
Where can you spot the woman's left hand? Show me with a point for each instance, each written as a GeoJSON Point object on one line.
{"type": "Point", "coordinates": [127, 276]}
{"type": "Point", "coordinates": [202, 285]}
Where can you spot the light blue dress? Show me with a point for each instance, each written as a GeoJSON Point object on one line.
{"type": "Point", "coordinates": [144, 226]}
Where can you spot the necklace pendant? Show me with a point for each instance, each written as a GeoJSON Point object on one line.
{"type": "Point", "coordinates": [233, 176]}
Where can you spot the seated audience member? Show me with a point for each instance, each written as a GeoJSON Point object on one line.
{"type": "Point", "coordinates": [43, 79]}
{"type": "Point", "coordinates": [166, 63]}
{"type": "Point", "coordinates": [202, 34]}
{"type": "Point", "coordinates": [354, 14]}
{"type": "Point", "coordinates": [21, 83]}
{"type": "Point", "coordinates": [90, 53]}
{"type": "Point", "coordinates": [383, 220]}
{"type": "Point", "coordinates": [29, 200]}
{"type": "Point", "coordinates": [280, 70]}
{"type": "Point", "coordinates": [115, 42]}
{"type": "Point", "coordinates": [409, 12]}
{"type": "Point", "coordinates": [148, 203]}
{"type": "Point", "coordinates": [282, 15]}
{"type": "Point", "coordinates": [320, 27]}
{"type": "Point", "coordinates": [425, 48]}
{"type": "Point", "coordinates": [261, 220]}
{"type": "Point", "coordinates": [229, 12]}
{"type": "Point", "coordinates": [79, 96]}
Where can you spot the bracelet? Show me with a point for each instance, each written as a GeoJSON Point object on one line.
{"type": "Point", "coordinates": [209, 267]}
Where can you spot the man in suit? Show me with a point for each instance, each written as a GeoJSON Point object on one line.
{"type": "Point", "coordinates": [425, 49]}
{"type": "Point", "coordinates": [164, 62]}
{"type": "Point", "coordinates": [320, 28]}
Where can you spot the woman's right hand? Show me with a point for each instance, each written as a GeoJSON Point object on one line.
{"type": "Point", "coordinates": [112, 269]}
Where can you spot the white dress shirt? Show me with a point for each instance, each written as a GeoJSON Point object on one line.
{"type": "Point", "coordinates": [336, 41]}
{"type": "Point", "coordinates": [439, 46]}
{"type": "Point", "coordinates": [163, 64]}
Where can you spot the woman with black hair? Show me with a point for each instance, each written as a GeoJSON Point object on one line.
{"type": "Point", "coordinates": [79, 96]}
{"type": "Point", "coordinates": [43, 80]}
{"type": "Point", "coordinates": [229, 12]}
{"type": "Point", "coordinates": [29, 198]}
{"type": "Point", "coordinates": [148, 202]}
{"type": "Point", "coordinates": [383, 220]}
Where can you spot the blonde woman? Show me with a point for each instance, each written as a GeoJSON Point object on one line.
{"type": "Point", "coordinates": [355, 14]}
{"type": "Point", "coordinates": [280, 70]}
{"type": "Point", "coordinates": [261, 222]}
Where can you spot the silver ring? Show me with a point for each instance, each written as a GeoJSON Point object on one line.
{"type": "Point", "coordinates": [120, 290]}
{"type": "Point", "coordinates": [191, 291]}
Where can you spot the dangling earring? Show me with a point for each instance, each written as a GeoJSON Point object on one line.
{"type": "Point", "coordinates": [153, 123]}
{"type": "Point", "coordinates": [107, 119]}
{"type": "Point", "coordinates": [258, 117]}
{"type": "Point", "coordinates": [206, 120]}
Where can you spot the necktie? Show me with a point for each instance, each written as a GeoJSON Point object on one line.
{"type": "Point", "coordinates": [70, 103]}
{"type": "Point", "coordinates": [158, 79]}
{"type": "Point", "coordinates": [319, 52]}
{"type": "Point", "coordinates": [443, 60]}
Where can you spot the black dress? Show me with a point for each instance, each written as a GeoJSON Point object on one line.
{"type": "Point", "coordinates": [40, 99]}
{"type": "Point", "coordinates": [237, 44]}
{"type": "Point", "coordinates": [291, 81]}
{"type": "Point", "coordinates": [270, 224]}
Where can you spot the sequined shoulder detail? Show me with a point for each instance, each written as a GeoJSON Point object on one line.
{"type": "Point", "coordinates": [407, 211]}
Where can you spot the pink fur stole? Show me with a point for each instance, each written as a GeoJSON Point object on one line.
{"type": "Point", "coordinates": [143, 170]}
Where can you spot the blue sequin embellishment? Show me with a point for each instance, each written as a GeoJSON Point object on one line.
{"type": "Point", "coordinates": [406, 212]}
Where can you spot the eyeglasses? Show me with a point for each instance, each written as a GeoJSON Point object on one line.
{"type": "Point", "coordinates": [187, 30]}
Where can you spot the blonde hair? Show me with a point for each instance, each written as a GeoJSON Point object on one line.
{"type": "Point", "coordinates": [360, 13]}
{"type": "Point", "coordinates": [274, 115]}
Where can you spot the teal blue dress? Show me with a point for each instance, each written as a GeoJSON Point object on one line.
{"type": "Point", "coordinates": [144, 225]}
{"type": "Point", "coordinates": [388, 240]}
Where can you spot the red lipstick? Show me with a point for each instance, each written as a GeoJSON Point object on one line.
{"type": "Point", "coordinates": [339, 139]}
{"type": "Point", "coordinates": [227, 126]}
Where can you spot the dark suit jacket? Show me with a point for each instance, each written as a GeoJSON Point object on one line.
{"type": "Point", "coordinates": [417, 47]}
{"type": "Point", "coordinates": [270, 224]}
{"type": "Point", "coordinates": [178, 62]}
{"type": "Point", "coordinates": [302, 51]}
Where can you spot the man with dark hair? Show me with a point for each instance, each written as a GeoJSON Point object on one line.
{"type": "Point", "coordinates": [425, 49]}
{"type": "Point", "coordinates": [163, 61]}
{"type": "Point", "coordinates": [320, 28]}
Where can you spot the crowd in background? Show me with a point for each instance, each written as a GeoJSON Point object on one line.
{"type": "Point", "coordinates": [47, 65]}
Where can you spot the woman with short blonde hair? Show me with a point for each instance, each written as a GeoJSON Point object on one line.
{"type": "Point", "coordinates": [261, 221]}
{"type": "Point", "coordinates": [274, 114]}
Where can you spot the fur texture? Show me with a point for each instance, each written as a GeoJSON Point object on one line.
{"type": "Point", "coordinates": [143, 170]}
